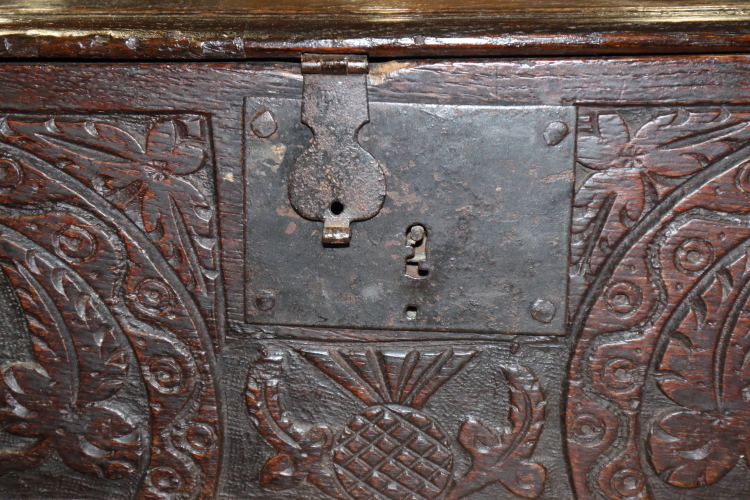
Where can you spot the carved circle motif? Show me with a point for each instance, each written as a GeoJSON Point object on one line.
{"type": "Point", "coordinates": [390, 452]}
{"type": "Point", "coordinates": [201, 437]}
{"type": "Point", "coordinates": [165, 479]}
{"type": "Point", "coordinates": [165, 375]}
{"type": "Point", "coordinates": [693, 256]}
{"type": "Point", "coordinates": [620, 374]}
{"type": "Point", "coordinates": [153, 296]}
{"type": "Point", "coordinates": [74, 244]}
{"type": "Point", "coordinates": [588, 430]}
{"type": "Point", "coordinates": [11, 175]}
{"type": "Point", "coordinates": [99, 439]}
{"type": "Point", "coordinates": [742, 179]}
{"type": "Point", "coordinates": [628, 484]}
{"type": "Point", "coordinates": [623, 298]}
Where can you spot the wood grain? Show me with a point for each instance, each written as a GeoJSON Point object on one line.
{"type": "Point", "coordinates": [128, 370]}
{"type": "Point", "coordinates": [230, 29]}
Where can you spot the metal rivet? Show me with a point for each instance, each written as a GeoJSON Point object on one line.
{"type": "Point", "coordinates": [543, 311]}
{"type": "Point", "coordinates": [265, 300]}
{"type": "Point", "coordinates": [555, 133]}
{"type": "Point", "coordinates": [263, 124]}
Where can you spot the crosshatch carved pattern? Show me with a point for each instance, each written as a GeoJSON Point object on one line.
{"type": "Point", "coordinates": [112, 318]}
{"type": "Point", "coordinates": [111, 287]}
{"type": "Point", "coordinates": [393, 449]}
{"type": "Point", "coordinates": [658, 384]}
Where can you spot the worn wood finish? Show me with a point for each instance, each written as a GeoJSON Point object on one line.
{"type": "Point", "coordinates": [129, 370]}
{"type": "Point", "coordinates": [232, 29]}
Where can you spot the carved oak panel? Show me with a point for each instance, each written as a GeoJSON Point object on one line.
{"type": "Point", "coordinates": [131, 370]}
{"type": "Point", "coordinates": [387, 421]}
{"type": "Point", "coordinates": [657, 389]}
{"type": "Point", "coordinates": [110, 303]}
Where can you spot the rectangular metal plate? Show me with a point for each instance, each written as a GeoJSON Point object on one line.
{"type": "Point", "coordinates": [495, 199]}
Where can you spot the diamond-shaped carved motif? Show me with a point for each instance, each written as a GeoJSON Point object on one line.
{"type": "Point", "coordinates": [390, 431]}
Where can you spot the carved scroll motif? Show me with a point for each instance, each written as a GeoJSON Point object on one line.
{"type": "Point", "coordinates": [657, 389]}
{"type": "Point", "coordinates": [108, 243]}
{"type": "Point", "coordinates": [392, 448]}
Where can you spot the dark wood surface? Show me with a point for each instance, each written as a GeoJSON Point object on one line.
{"type": "Point", "coordinates": [234, 29]}
{"type": "Point", "coordinates": [129, 370]}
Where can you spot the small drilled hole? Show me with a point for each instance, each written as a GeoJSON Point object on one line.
{"type": "Point", "coordinates": [337, 207]}
{"type": "Point", "coordinates": [411, 312]}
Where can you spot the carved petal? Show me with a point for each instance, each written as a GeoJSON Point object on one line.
{"type": "Point", "coordinates": [605, 151]}
{"type": "Point", "coordinates": [166, 144]}
{"type": "Point", "coordinates": [690, 449]}
{"type": "Point", "coordinates": [524, 478]}
{"type": "Point", "coordinates": [681, 143]}
{"type": "Point", "coordinates": [281, 473]}
{"type": "Point", "coordinates": [31, 387]}
{"type": "Point", "coordinates": [106, 367]}
{"type": "Point", "coordinates": [109, 446]}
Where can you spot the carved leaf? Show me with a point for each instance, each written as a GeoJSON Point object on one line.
{"type": "Point", "coordinates": [116, 135]}
{"type": "Point", "coordinates": [690, 448]}
{"type": "Point", "coordinates": [105, 444]}
{"type": "Point", "coordinates": [681, 143]}
{"type": "Point", "coordinates": [732, 360]}
{"type": "Point", "coordinates": [640, 169]}
{"type": "Point", "coordinates": [703, 362]}
{"type": "Point", "coordinates": [106, 366]}
{"type": "Point", "coordinates": [672, 144]}
{"type": "Point", "coordinates": [50, 343]}
{"type": "Point", "coordinates": [409, 378]}
{"type": "Point", "coordinates": [144, 175]}
{"type": "Point", "coordinates": [78, 362]}
{"type": "Point", "coordinates": [606, 149]}
{"type": "Point", "coordinates": [527, 405]}
{"type": "Point", "coordinates": [703, 368]}
{"type": "Point", "coordinates": [100, 369]}
{"type": "Point", "coordinates": [605, 208]}
{"type": "Point", "coordinates": [167, 142]}
{"type": "Point", "coordinates": [299, 451]}
{"type": "Point", "coordinates": [506, 458]}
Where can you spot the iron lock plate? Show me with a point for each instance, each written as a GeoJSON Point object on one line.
{"type": "Point", "coordinates": [490, 185]}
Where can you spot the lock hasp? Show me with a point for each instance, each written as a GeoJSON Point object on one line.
{"type": "Point", "coordinates": [489, 186]}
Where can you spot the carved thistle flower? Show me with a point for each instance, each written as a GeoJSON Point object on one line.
{"type": "Point", "coordinates": [392, 449]}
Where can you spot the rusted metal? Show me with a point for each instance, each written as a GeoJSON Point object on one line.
{"type": "Point", "coordinates": [416, 260]}
{"type": "Point", "coordinates": [473, 230]}
{"type": "Point", "coordinates": [335, 180]}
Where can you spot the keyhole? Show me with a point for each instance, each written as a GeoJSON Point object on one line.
{"type": "Point", "coordinates": [337, 208]}
{"type": "Point", "coordinates": [411, 312]}
{"type": "Point", "coordinates": [416, 259]}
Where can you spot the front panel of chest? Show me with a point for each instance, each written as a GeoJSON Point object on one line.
{"type": "Point", "coordinates": [406, 280]}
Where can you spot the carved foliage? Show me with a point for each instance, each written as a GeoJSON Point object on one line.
{"type": "Point", "coordinates": [65, 398]}
{"type": "Point", "coordinates": [68, 183]}
{"type": "Point", "coordinates": [392, 448]}
{"type": "Point", "coordinates": [507, 458]}
{"type": "Point", "coordinates": [703, 368]}
{"type": "Point", "coordinates": [657, 295]}
{"type": "Point", "coordinates": [156, 169]}
{"type": "Point", "coordinates": [633, 166]}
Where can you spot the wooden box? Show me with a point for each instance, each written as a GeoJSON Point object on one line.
{"type": "Point", "coordinates": [383, 251]}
